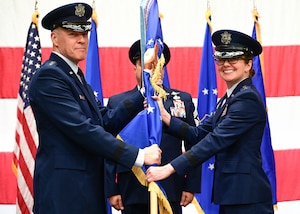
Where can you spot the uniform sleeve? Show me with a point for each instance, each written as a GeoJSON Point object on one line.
{"type": "Point", "coordinates": [53, 94]}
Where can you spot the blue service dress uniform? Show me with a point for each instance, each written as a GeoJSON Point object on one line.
{"type": "Point", "coordinates": [74, 139]}
{"type": "Point", "coordinates": [233, 134]}
{"type": "Point", "coordinates": [120, 180]}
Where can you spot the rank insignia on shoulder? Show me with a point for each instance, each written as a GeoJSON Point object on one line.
{"type": "Point", "coordinates": [52, 63]}
{"type": "Point", "coordinates": [81, 97]}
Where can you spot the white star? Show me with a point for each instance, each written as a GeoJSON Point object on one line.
{"type": "Point", "coordinates": [205, 91]}
{"type": "Point", "coordinates": [37, 65]}
{"type": "Point", "coordinates": [96, 93]}
{"type": "Point", "coordinates": [150, 109]}
{"type": "Point", "coordinates": [36, 38]}
{"type": "Point", "coordinates": [211, 166]}
{"type": "Point", "coordinates": [215, 91]}
{"type": "Point", "coordinates": [150, 41]}
{"type": "Point", "coordinates": [32, 54]}
{"type": "Point", "coordinates": [34, 46]}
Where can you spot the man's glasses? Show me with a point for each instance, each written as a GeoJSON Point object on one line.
{"type": "Point", "coordinates": [231, 61]}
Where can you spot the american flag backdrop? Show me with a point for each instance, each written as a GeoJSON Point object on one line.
{"type": "Point", "coordinates": [183, 31]}
{"type": "Point", "coordinates": [26, 134]}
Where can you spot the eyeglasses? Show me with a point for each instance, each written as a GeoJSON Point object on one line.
{"type": "Point", "coordinates": [231, 61]}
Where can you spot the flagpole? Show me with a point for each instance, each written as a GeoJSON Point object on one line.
{"type": "Point", "coordinates": [267, 152]}
{"type": "Point", "coordinates": [35, 14]}
{"type": "Point", "coordinates": [153, 202]}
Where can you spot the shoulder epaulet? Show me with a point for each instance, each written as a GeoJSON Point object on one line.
{"type": "Point", "coordinates": [245, 87]}
{"type": "Point", "coordinates": [50, 63]}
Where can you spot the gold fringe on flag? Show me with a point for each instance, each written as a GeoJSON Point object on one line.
{"type": "Point", "coordinates": [156, 76]}
{"type": "Point", "coordinates": [197, 206]}
{"type": "Point", "coordinates": [163, 203]}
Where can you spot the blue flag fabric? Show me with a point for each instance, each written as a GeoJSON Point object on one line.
{"type": "Point", "coordinates": [146, 128]}
{"type": "Point", "coordinates": [93, 74]}
{"type": "Point", "coordinates": [268, 160]}
{"type": "Point", "coordinates": [207, 99]}
{"type": "Point", "coordinates": [147, 122]}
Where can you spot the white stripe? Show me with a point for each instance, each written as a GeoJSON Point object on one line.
{"type": "Point", "coordinates": [283, 112]}
{"type": "Point", "coordinates": [24, 190]}
{"type": "Point", "coordinates": [183, 23]}
{"type": "Point", "coordinates": [284, 117]}
{"type": "Point", "coordinates": [29, 160]}
{"type": "Point", "coordinates": [8, 122]}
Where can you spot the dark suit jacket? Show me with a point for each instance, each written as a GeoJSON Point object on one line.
{"type": "Point", "coordinates": [74, 139]}
{"type": "Point", "coordinates": [233, 134]}
{"type": "Point", "coordinates": [127, 185]}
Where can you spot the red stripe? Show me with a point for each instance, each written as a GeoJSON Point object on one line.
{"type": "Point", "coordinates": [20, 160]}
{"type": "Point", "coordinates": [17, 138]}
{"type": "Point", "coordinates": [21, 203]}
{"type": "Point", "coordinates": [281, 68]}
{"type": "Point", "coordinates": [30, 157]}
{"type": "Point", "coordinates": [15, 158]}
{"type": "Point", "coordinates": [29, 138]}
{"type": "Point", "coordinates": [25, 172]}
{"type": "Point", "coordinates": [8, 182]}
{"type": "Point", "coordinates": [287, 174]}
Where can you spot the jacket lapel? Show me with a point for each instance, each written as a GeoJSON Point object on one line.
{"type": "Point", "coordinates": [88, 94]}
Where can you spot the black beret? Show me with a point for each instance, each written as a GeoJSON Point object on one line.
{"type": "Point", "coordinates": [230, 43]}
{"type": "Point", "coordinates": [135, 52]}
{"type": "Point", "coordinates": [72, 17]}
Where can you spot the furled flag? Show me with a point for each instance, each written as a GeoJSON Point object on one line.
{"type": "Point", "coordinates": [26, 135]}
{"type": "Point", "coordinates": [268, 160]}
{"type": "Point", "coordinates": [207, 99]}
{"type": "Point", "coordinates": [93, 74]}
{"type": "Point", "coordinates": [148, 121]}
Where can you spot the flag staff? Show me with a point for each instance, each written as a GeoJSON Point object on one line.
{"type": "Point", "coordinates": [256, 16]}
{"type": "Point", "coordinates": [254, 5]}
{"type": "Point", "coordinates": [35, 14]}
{"type": "Point", "coordinates": [257, 32]}
{"type": "Point", "coordinates": [94, 14]}
{"type": "Point", "coordinates": [208, 4]}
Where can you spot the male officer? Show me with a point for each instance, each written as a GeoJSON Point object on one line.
{"type": "Point", "coordinates": [233, 133]}
{"type": "Point", "coordinates": [73, 126]}
{"type": "Point", "coordinates": [124, 191]}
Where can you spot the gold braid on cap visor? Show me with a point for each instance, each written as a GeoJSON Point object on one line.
{"type": "Point", "coordinates": [78, 27]}
{"type": "Point", "coordinates": [231, 54]}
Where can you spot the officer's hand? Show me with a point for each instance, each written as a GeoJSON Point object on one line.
{"type": "Point", "coordinates": [156, 173]}
{"type": "Point", "coordinates": [186, 198]}
{"type": "Point", "coordinates": [166, 117]}
{"type": "Point", "coordinates": [116, 202]}
{"type": "Point", "coordinates": [152, 155]}
{"type": "Point", "coordinates": [151, 57]}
